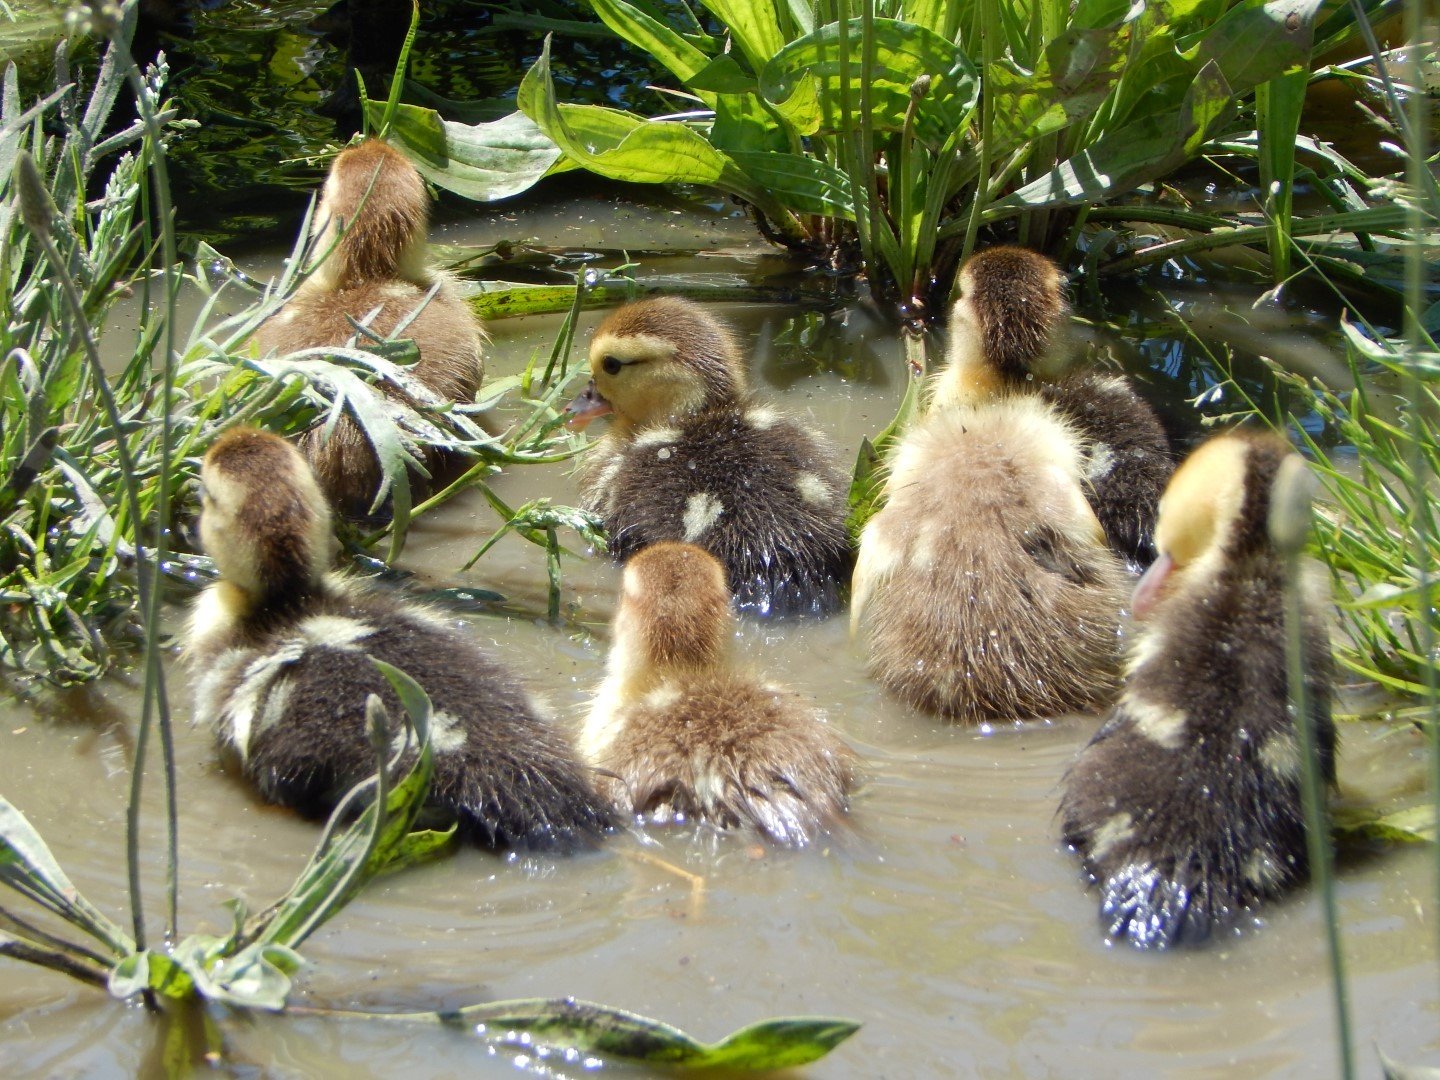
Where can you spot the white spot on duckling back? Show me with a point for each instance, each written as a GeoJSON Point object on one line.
{"type": "Point", "coordinates": [1102, 460]}
{"type": "Point", "coordinates": [1161, 724]}
{"type": "Point", "coordinates": [662, 697]}
{"type": "Point", "coordinates": [1262, 871]}
{"type": "Point", "coordinates": [762, 418]}
{"type": "Point", "coordinates": [1281, 755]}
{"type": "Point", "coordinates": [335, 631]}
{"type": "Point", "coordinates": [701, 511]}
{"type": "Point", "coordinates": [1114, 830]}
{"type": "Point", "coordinates": [237, 721]}
{"type": "Point", "coordinates": [656, 437]}
{"type": "Point", "coordinates": [812, 489]}
{"type": "Point", "coordinates": [447, 734]}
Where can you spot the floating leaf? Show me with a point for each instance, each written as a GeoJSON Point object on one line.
{"type": "Point", "coordinates": [782, 1043]}
{"type": "Point", "coordinates": [1413, 826]}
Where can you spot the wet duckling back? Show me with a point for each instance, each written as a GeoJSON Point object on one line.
{"type": "Point", "coordinates": [985, 580]}
{"type": "Point", "coordinates": [676, 733]}
{"type": "Point", "coordinates": [281, 654]}
{"type": "Point", "coordinates": [1185, 807]}
{"type": "Point", "coordinates": [373, 217]}
{"type": "Point", "coordinates": [691, 456]}
{"type": "Point", "coordinates": [1008, 322]}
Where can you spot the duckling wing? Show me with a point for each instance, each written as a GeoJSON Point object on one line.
{"type": "Point", "coordinates": [754, 489]}
{"type": "Point", "coordinates": [508, 777]}
{"type": "Point", "coordinates": [1129, 460]}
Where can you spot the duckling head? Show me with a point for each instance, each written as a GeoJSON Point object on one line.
{"type": "Point", "coordinates": [372, 220]}
{"type": "Point", "coordinates": [658, 359]}
{"type": "Point", "coordinates": [1010, 315]}
{"type": "Point", "coordinates": [1215, 510]}
{"type": "Point", "coordinates": [674, 614]}
{"type": "Point", "coordinates": [263, 519]}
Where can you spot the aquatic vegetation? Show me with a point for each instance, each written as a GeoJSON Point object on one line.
{"type": "Point", "coordinates": [108, 495]}
{"type": "Point", "coordinates": [884, 136]}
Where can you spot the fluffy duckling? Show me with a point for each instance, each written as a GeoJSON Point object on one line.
{"type": "Point", "coordinates": [680, 734]}
{"type": "Point", "coordinates": [1010, 318]}
{"type": "Point", "coordinates": [1186, 804]}
{"type": "Point", "coordinates": [986, 582]}
{"type": "Point", "coordinates": [372, 219]}
{"type": "Point", "coordinates": [691, 456]}
{"type": "Point", "coordinates": [282, 656]}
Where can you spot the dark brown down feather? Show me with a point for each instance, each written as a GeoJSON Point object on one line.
{"type": "Point", "coordinates": [1184, 839]}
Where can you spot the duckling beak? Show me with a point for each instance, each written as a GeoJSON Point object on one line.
{"type": "Point", "coordinates": [586, 407]}
{"type": "Point", "coordinates": [1151, 583]}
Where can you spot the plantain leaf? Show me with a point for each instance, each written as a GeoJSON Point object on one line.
{"type": "Point", "coordinates": [29, 867]}
{"type": "Point", "coordinates": [903, 53]}
{"type": "Point", "coordinates": [1133, 155]}
{"type": "Point", "coordinates": [867, 482]}
{"type": "Point", "coordinates": [1258, 39]}
{"type": "Point", "coordinates": [484, 162]}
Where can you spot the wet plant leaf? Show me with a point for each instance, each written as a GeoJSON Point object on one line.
{"type": "Point", "coordinates": [28, 866]}
{"type": "Point", "coordinates": [1257, 40]}
{"type": "Point", "coordinates": [483, 162]}
{"type": "Point", "coordinates": [1413, 826]}
{"type": "Point", "coordinates": [1394, 1070]}
{"type": "Point", "coordinates": [786, 1042]}
{"type": "Point", "coordinates": [867, 481]}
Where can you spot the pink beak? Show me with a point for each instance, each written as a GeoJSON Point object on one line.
{"type": "Point", "coordinates": [588, 406]}
{"type": "Point", "coordinates": [1150, 585]}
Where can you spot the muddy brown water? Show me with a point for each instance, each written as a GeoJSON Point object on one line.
{"type": "Point", "coordinates": [947, 919]}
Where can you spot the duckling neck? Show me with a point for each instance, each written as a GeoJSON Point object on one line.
{"type": "Point", "coordinates": [627, 427]}
{"type": "Point", "coordinates": [970, 379]}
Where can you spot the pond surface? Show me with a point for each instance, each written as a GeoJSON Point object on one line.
{"type": "Point", "coordinates": [948, 919]}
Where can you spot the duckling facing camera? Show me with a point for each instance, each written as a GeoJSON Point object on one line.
{"type": "Point", "coordinates": [281, 653]}
{"type": "Point", "coordinates": [1008, 322]}
{"type": "Point", "coordinates": [373, 216]}
{"type": "Point", "coordinates": [692, 456]}
{"type": "Point", "coordinates": [676, 733]}
{"type": "Point", "coordinates": [1186, 805]}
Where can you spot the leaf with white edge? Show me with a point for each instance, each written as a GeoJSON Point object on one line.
{"type": "Point", "coordinates": [483, 162]}
{"type": "Point", "coordinates": [29, 867]}
{"type": "Point", "coordinates": [1394, 1070]}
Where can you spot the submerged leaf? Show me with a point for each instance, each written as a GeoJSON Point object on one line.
{"type": "Point", "coordinates": [781, 1043]}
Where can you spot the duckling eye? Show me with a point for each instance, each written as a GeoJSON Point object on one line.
{"type": "Point", "coordinates": [610, 365]}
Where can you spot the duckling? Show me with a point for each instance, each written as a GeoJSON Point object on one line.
{"type": "Point", "coordinates": [1185, 807]}
{"type": "Point", "coordinates": [985, 579]}
{"type": "Point", "coordinates": [1008, 321]}
{"type": "Point", "coordinates": [372, 219]}
{"type": "Point", "coordinates": [692, 456]}
{"type": "Point", "coordinates": [281, 652]}
{"type": "Point", "coordinates": [679, 733]}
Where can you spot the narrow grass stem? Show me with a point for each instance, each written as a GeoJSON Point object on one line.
{"type": "Point", "coordinates": [1312, 786]}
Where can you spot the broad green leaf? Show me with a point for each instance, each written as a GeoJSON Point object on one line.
{"type": "Point", "coordinates": [782, 1043]}
{"type": "Point", "coordinates": [723, 75]}
{"type": "Point", "coordinates": [1075, 76]}
{"type": "Point", "coordinates": [805, 184]}
{"type": "Point", "coordinates": [753, 24]}
{"type": "Point", "coordinates": [940, 16]}
{"type": "Point", "coordinates": [483, 162]}
{"type": "Point", "coordinates": [867, 481]}
{"type": "Point", "coordinates": [28, 866]}
{"type": "Point", "coordinates": [1132, 155]}
{"type": "Point", "coordinates": [1258, 39]}
{"type": "Point", "coordinates": [903, 53]}
{"type": "Point", "coordinates": [624, 147]}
